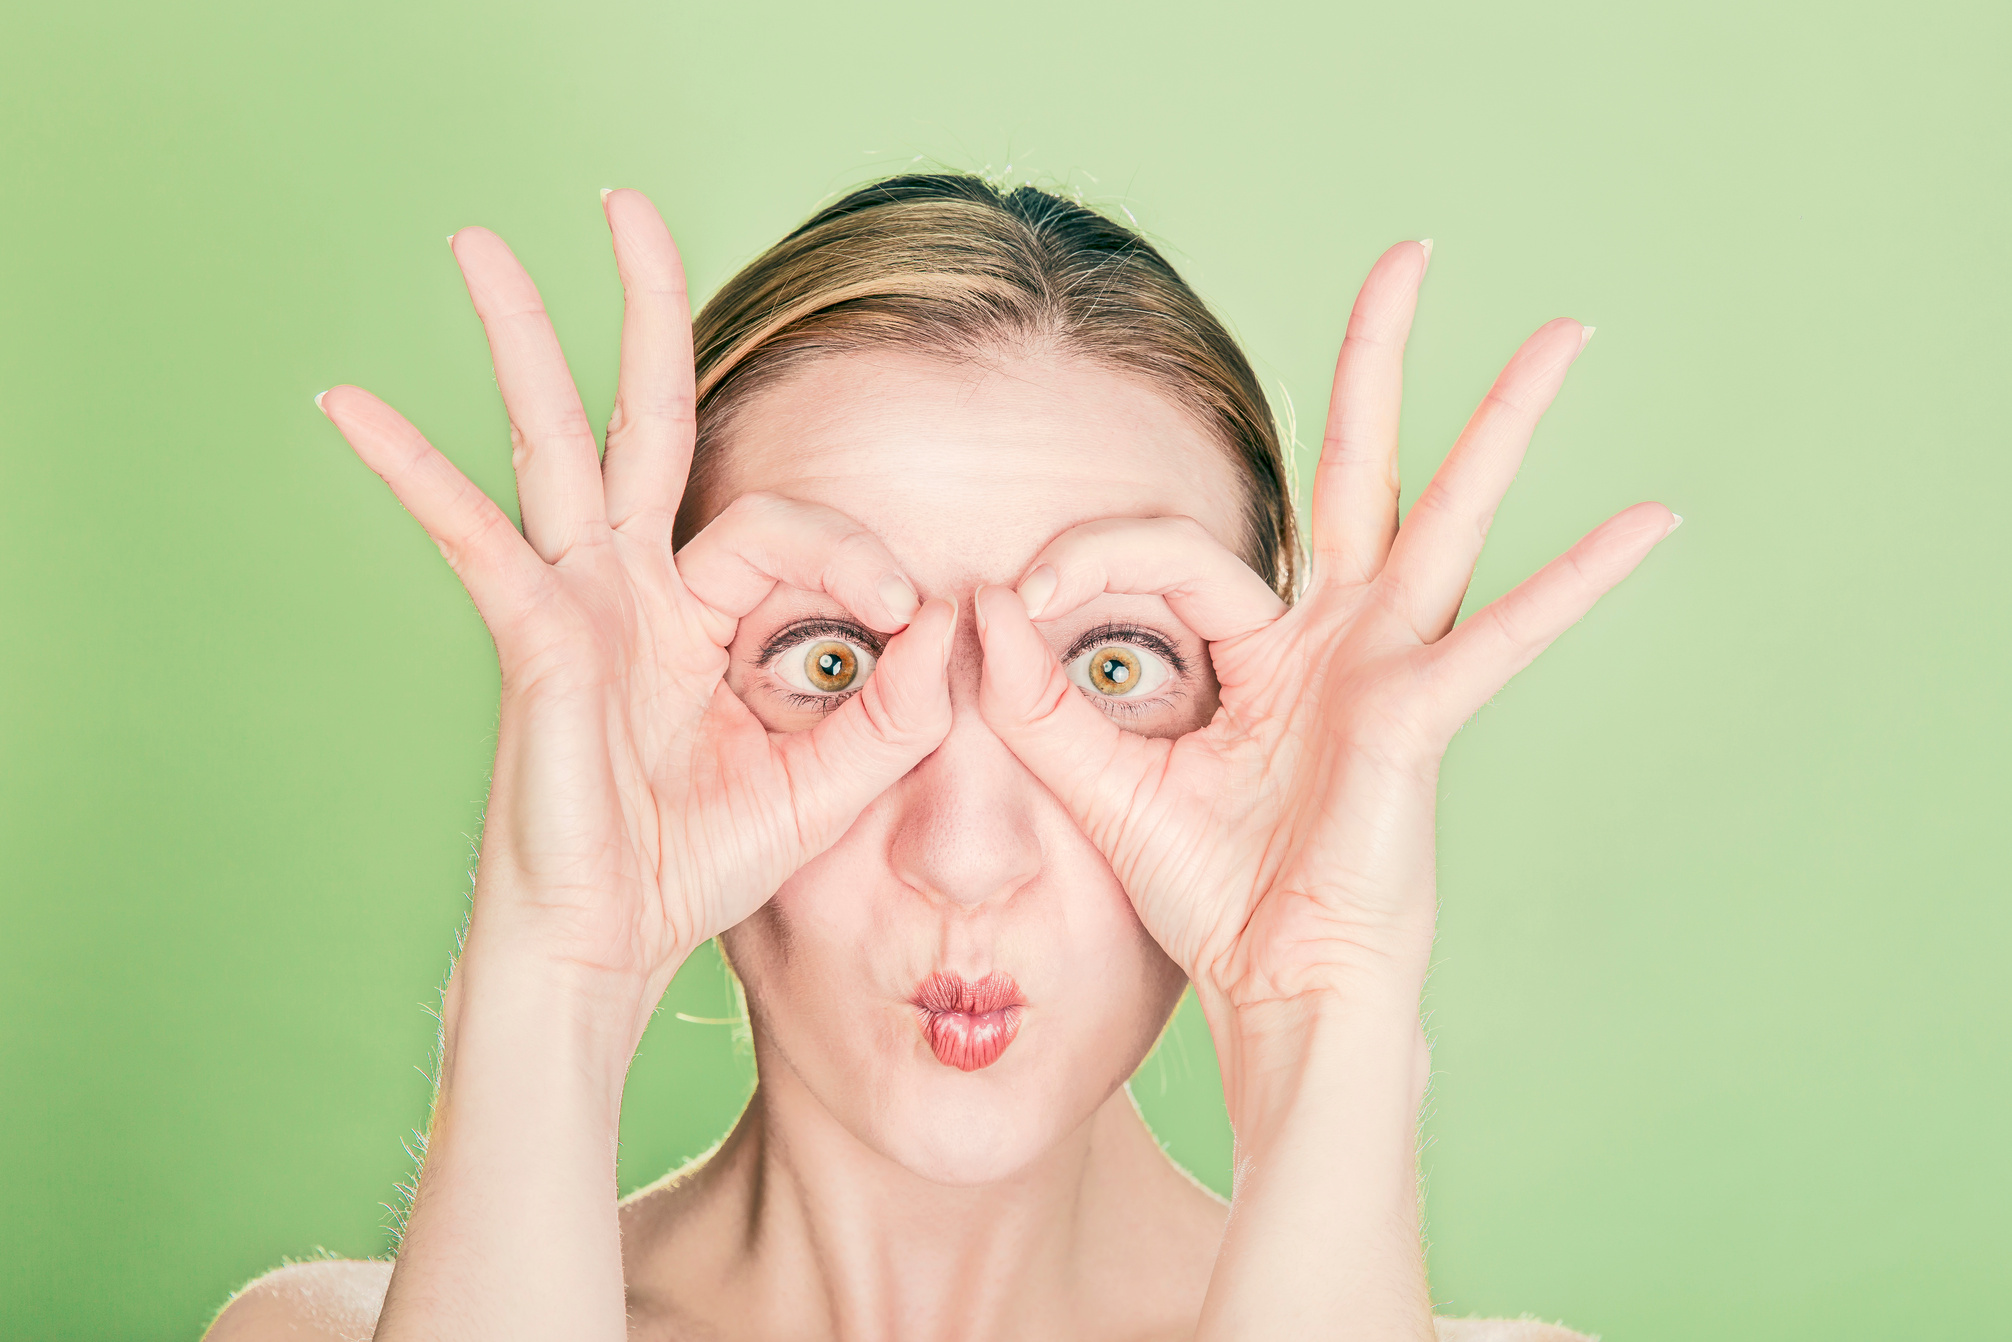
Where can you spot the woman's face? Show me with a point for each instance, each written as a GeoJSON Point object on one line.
{"type": "Point", "coordinates": [964, 909]}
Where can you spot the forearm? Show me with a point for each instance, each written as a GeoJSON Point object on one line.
{"type": "Point", "coordinates": [1323, 1091]}
{"type": "Point", "coordinates": [513, 1230]}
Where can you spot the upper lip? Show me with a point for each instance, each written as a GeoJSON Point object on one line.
{"type": "Point", "coordinates": [944, 993]}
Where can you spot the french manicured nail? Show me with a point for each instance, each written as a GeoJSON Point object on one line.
{"type": "Point", "coordinates": [1677, 520]}
{"type": "Point", "coordinates": [317, 399]}
{"type": "Point", "coordinates": [1585, 335]}
{"type": "Point", "coordinates": [1426, 243]}
{"type": "Point", "coordinates": [899, 598]}
{"type": "Point", "coordinates": [1037, 588]}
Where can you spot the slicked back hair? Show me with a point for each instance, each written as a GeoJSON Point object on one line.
{"type": "Point", "coordinates": [953, 266]}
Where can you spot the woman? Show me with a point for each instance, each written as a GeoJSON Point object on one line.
{"type": "Point", "coordinates": [932, 649]}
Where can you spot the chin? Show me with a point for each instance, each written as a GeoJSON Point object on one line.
{"type": "Point", "coordinates": [886, 1090]}
{"type": "Point", "coordinates": [966, 1128]}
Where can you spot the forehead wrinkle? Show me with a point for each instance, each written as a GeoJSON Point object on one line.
{"type": "Point", "coordinates": [966, 473]}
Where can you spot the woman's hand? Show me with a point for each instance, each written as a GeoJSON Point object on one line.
{"type": "Point", "coordinates": [1286, 848]}
{"type": "Point", "coordinates": [1283, 854]}
{"type": "Point", "coordinates": [638, 807]}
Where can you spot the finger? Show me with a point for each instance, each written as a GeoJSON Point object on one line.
{"type": "Point", "coordinates": [1207, 586]}
{"type": "Point", "coordinates": [1480, 656]}
{"type": "Point", "coordinates": [1094, 769]}
{"type": "Point", "coordinates": [551, 446]}
{"type": "Point", "coordinates": [898, 717]}
{"type": "Point", "coordinates": [1355, 487]}
{"type": "Point", "coordinates": [650, 432]}
{"type": "Point", "coordinates": [764, 539]}
{"type": "Point", "coordinates": [1436, 549]}
{"type": "Point", "coordinates": [499, 570]}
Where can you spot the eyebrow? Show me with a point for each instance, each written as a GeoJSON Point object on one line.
{"type": "Point", "coordinates": [1114, 631]}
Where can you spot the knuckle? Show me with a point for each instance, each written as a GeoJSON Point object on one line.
{"type": "Point", "coordinates": [853, 550]}
{"type": "Point", "coordinates": [1510, 624]}
{"type": "Point", "coordinates": [754, 504]}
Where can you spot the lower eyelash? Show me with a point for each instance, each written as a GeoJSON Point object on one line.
{"type": "Point", "coordinates": [816, 703]}
{"type": "Point", "coordinates": [1125, 708]}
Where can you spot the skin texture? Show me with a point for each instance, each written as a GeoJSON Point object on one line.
{"type": "Point", "coordinates": [1260, 824]}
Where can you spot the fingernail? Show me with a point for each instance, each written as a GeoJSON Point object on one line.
{"type": "Point", "coordinates": [899, 598]}
{"type": "Point", "coordinates": [1679, 521]}
{"type": "Point", "coordinates": [950, 636]}
{"type": "Point", "coordinates": [450, 239]}
{"type": "Point", "coordinates": [1585, 335]}
{"type": "Point", "coordinates": [317, 399]}
{"type": "Point", "coordinates": [1037, 588]}
{"type": "Point", "coordinates": [978, 610]}
{"type": "Point", "coordinates": [606, 192]}
{"type": "Point", "coordinates": [1426, 243]}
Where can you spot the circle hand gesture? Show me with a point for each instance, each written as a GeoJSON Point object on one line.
{"type": "Point", "coordinates": [1287, 846]}
{"type": "Point", "coordinates": [638, 807]}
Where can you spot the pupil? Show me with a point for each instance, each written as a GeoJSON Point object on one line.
{"type": "Point", "coordinates": [829, 664]}
{"type": "Point", "coordinates": [1117, 672]}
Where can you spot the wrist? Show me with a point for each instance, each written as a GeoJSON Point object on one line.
{"type": "Point", "coordinates": [1352, 1044]}
{"type": "Point", "coordinates": [512, 1001]}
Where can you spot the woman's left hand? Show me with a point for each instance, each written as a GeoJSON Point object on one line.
{"type": "Point", "coordinates": [1287, 847]}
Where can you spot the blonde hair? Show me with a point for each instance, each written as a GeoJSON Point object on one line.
{"type": "Point", "coordinates": [952, 265]}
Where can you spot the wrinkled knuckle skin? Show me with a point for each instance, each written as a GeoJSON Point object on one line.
{"type": "Point", "coordinates": [852, 550]}
{"type": "Point", "coordinates": [754, 504]}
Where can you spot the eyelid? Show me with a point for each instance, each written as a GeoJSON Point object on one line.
{"type": "Point", "coordinates": [787, 637]}
{"type": "Point", "coordinates": [1114, 632]}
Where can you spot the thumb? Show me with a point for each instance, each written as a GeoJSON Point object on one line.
{"type": "Point", "coordinates": [898, 717]}
{"type": "Point", "coordinates": [1096, 771]}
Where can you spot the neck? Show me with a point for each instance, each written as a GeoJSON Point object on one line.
{"type": "Point", "coordinates": [795, 1223]}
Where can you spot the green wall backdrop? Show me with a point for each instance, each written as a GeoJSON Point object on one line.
{"type": "Point", "coordinates": [1721, 1009]}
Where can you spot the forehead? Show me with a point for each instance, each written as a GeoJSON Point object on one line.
{"type": "Point", "coordinates": [965, 470]}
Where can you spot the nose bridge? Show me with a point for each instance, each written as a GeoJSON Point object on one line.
{"type": "Point", "coordinates": [964, 833]}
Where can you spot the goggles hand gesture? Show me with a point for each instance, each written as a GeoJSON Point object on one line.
{"type": "Point", "coordinates": [638, 807]}
{"type": "Point", "coordinates": [1287, 846]}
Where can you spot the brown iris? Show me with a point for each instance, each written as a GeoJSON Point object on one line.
{"type": "Point", "coordinates": [1114, 670]}
{"type": "Point", "coordinates": [831, 665]}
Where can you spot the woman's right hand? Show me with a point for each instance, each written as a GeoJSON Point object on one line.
{"type": "Point", "coordinates": [637, 806]}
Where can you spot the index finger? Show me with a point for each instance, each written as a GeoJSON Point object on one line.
{"type": "Point", "coordinates": [763, 539]}
{"type": "Point", "coordinates": [1207, 586]}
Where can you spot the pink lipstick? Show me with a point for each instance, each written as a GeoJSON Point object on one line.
{"type": "Point", "coordinates": [969, 1024]}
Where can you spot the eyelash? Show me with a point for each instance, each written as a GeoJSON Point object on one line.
{"type": "Point", "coordinates": [790, 635]}
{"type": "Point", "coordinates": [1111, 632]}
{"type": "Point", "coordinates": [1139, 636]}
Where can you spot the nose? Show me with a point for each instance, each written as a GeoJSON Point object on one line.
{"type": "Point", "coordinates": [964, 832]}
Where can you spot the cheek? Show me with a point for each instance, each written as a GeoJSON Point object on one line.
{"type": "Point", "coordinates": [1207, 696]}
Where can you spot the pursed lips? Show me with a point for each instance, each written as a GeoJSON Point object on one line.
{"type": "Point", "coordinates": [969, 1023]}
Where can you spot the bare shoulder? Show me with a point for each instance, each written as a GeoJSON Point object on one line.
{"type": "Point", "coordinates": [1505, 1330]}
{"type": "Point", "coordinates": [335, 1300]}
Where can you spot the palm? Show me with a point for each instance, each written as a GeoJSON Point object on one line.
{"type": "Point", "coordinates": [1292, 836]}
{"type": "Point", "coordinates": [638, 807]}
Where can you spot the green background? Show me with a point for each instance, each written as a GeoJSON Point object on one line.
{"type": "Point", "coordinates": [1720, 1004]}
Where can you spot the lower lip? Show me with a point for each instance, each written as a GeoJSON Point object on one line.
{"type": "Point", "coordinates": [968, 1025]}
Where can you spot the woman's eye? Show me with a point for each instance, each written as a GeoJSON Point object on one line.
{"type": "Point", "coordinates": [824, 665]}
{"type": "Point", "coordinates": [1119, 671]}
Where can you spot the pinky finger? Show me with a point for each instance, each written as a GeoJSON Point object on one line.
{"type": "Point", "coordinates": [500, 570]}
{"type": "Point", "coordinates": [1480, 656]}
